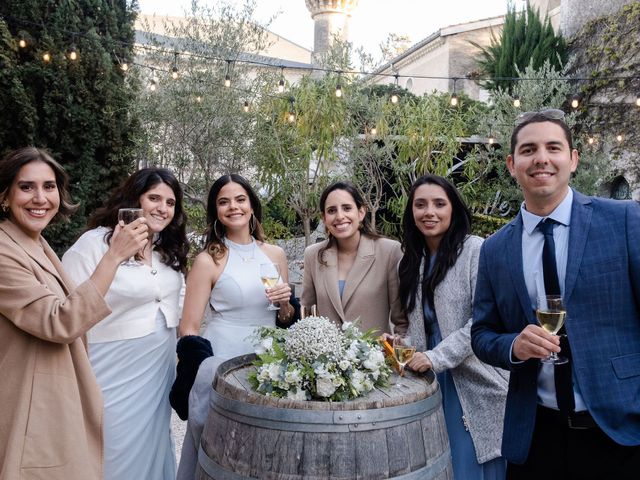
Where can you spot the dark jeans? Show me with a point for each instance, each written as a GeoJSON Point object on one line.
{"type": "Point", "coordinates": [562, 453]}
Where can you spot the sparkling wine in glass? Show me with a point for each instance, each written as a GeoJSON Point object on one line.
{"type": "Point", "coordinates": [403, 351]}
{"type": "Point", "coordinates": [551, 314]}
{"type": "Point", "coordinates": [270, 275]}
{"type": "Point", "coordinates": [128, 215]}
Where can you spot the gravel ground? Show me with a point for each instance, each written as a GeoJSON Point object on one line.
{"type": "Point", "coordinates": [178, 428]}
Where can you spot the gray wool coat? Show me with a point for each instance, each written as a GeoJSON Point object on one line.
{"type": "Point", "coordinates": [482, 389]}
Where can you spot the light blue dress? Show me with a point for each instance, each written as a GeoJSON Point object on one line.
{"type": "Point", "coordinates": [463, 454]}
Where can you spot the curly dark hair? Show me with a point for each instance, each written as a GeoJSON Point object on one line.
{"type": "Point", "coordinates": [415, 248]}
{"type": "Point", "coordinates": [215, 231]}
{"type": "Point", "coordinates": [172, 243]}
{"type": "Point", "coordinates": [11, 164]}
{"type": "Point", "coordinates": [365, 227]}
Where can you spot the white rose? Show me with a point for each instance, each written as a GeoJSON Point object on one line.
{"type": "Point", "coordinates": [263, 374]}
{"type": "Point", "coordinates": [299, 394]}
{"type": "Point", "coordinates": [344, 365]}
{"type": "Point", "coordinates": [325, 387]}
{"type": "Point", "coordinates": [266, 345]}
{"type": "Point", "coordinates": [292, 377]}
{"type": "Point", "coordinates": [346, 326]}
{"type": "Point", "coordinates": [357, 381]}
{"type": "Point", "coordinates": [374, 360]}
{"type": "Point", "coordinates": [274, 371]}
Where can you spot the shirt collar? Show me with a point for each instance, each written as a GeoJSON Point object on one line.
{"type": "Point", "coordinates": [561, 214]}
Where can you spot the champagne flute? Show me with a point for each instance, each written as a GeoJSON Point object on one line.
{"type": "Point", "coordinates": [270, 274]}
{"type": "Point", "coordinates": [551, 314]}
{"type": "Point", "coordinates": [128, 215]}
{"type": "Point", "coordinates": [403, 351]}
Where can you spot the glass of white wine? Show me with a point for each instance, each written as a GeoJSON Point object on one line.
{"type": "Point", "coordinates": [270, 275]}
{"type": "Point", "coordinates": [551, 314]}
{"type": "Point", "coordinates": [403, 351]}
{"type": "Point", "coordinates": [129, 215]}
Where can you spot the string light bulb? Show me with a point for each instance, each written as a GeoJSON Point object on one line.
{"type": "Point", "coordinates": [454, 100]}
{"type": "Point", "coordinates": [46, 57]}
{"type": "Point", "coordinates": [638, 101]}
{"type": "Point", "coordinates": [227, 81]}
{"type": "Point", "coordinates": [73, 53]}
{"type": "Point", "coordinates": [373, 131]}
{"type": "Point", "coordinates": [619, 137]}
{"type": "Point", "coordinates": [246, 106]}
{"type": "Point", "coordinates": [339, 91]}
{"type": "Point", "coordinates": [291, 116]}
{"type": "Point", "coordinates": [516, 101]}
{"type": "Point", "coordinates": [281, 85]}
{"type": "Point", "coordinates": [199, 99]}
{"type": "Point", "coordinates": [22, 43]}
{"type": "Point", "coordinates": [591, 140]}
{"type": "Point", "coordinates": [174, 73]}
{"type": "Point", "coordinates": [394, 98]}
{"type": "Point", "coordinates": [124, 66]}
{"type": "Point", "coordinates": [575, 101]}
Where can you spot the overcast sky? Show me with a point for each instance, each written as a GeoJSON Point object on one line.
{"type": "Point", "coordinates": [372, 20]}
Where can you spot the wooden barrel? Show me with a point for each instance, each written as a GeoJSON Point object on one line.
{"type": "Point", "coordinates": [397, 432]}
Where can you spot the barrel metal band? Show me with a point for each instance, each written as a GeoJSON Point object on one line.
{"type": "Point", "coordinates": [218, 472]}
{"type": "Point", "coordinates": [297, 420]}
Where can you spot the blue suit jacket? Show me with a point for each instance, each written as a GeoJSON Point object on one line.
{"type": "Point", "coordinates": [602, 296]}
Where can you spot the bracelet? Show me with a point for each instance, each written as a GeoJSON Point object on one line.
{"type": "Point", "coordinates": [289, 314]}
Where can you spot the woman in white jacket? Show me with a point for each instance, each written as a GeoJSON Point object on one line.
{"type": "Point", "coordinates": [437, 282]}
{"type": "Point", "coordinates": [132, 351]}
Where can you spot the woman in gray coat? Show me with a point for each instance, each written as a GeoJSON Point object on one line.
{"type": "Point", "coordinates": [437, 283]}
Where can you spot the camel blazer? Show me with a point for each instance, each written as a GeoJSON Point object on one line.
{"type": "Point", "coordinates": [371, 287]}
{"type": "Point", "coordinates": [50, 402]}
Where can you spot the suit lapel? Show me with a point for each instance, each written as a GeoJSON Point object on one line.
{"type": "Point", "coordinates": [40, 252]}
{"type": "Point", "coordinates": [578, 232]}
{"type": "Point", "coordinates": [514, 256]}
{"type": "Point", "coordinates": [330, 278]}
{"type": "Point", "coordinates": [361, 265]}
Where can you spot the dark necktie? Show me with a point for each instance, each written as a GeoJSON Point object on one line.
{"type": "Point", "coordinates": [562, 372]}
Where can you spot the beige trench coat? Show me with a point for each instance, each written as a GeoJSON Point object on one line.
{"type": "Point", "coordinates": [50, 402]}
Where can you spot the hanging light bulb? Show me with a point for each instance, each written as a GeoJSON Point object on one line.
{"type": "Point", "coordinates": [619, 138]}
{"type": "Point", "coordinates": [22, 43]}
{"type": "Point", "coordinates": [174, 72]}
{"type": "Point", "coordinates": [281, 85]}
{"type": "Point", "coordinates": [454, 100]}
{"type": "Point", "coordinates": [246, 106]}
{"type": "Point", "coordinates": [491, 140]}
{"type": "Point", "coordinates": [46, 56]}
{"type": "Point", "coordinates": [338, 90]}
{"type": "Point", "coordinates": [516, 101]}
{"type": "Point", "coordinates": [199, 99]}
{"type": "Point", "coordinates": [394, 98]}
{"type": "Point", "coordinates": [227, 81]}
{"type": "Point", "coordinates": [152, 86]}
{"type": "Point", "coordinates": [291, 115]}
{"type": "Point", "coordinates": [373, 131]}
{"type": "Point", "coordinates": [154, 81]}
{"type": "Point", "coordinates": [124, 66]}
{"type": "Point", "coordinates": [591, 140]}
{"type": "Point", "coordinates": [73, 54]}
{"type": "Point", "coordinates": [638, 101]}
{"type": "Point", "coordinates": [575, 101]}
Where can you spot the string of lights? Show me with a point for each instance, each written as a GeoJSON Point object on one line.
{"type": "Point", "coordinates": [73, 55]}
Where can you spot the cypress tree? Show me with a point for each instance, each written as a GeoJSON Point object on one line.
{"type": "Point", "coordinates": [78, 109]}
{"type": "Point", "coordinates": [525, 41]}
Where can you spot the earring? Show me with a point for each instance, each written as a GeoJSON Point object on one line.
{"type": "Point", "coordinates": [5, 206]}
{"type": "Point", "coordinates": [215, 229]}
{"type": "Point", "coordinates": [252, 223]}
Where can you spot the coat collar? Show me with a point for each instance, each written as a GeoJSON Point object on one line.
{"type": "Point", "coordinates": [514, 252]}
{"type": "Point", "coordinates": [580, 221]}
{"type": "Point", "coordinates": [365, 257]}
{"type": "Point", "coordinates": [39, 250]}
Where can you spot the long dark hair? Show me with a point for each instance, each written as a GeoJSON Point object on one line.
{"type": "Point", "coordinates": [216, 232]}
{"type": "Point", "coordinates": [15, 160]}
{"type": "Point", "coordinates": [172, 243]}
{"type": "Point", "coordinates": [415, 247]}
{"type": "Point", "coordinates": [365, 227]}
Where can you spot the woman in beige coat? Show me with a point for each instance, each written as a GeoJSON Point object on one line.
{"type": "Point", "coordinates": [353, 274]}
{"type": "Point", "coordinates": [50, 403]}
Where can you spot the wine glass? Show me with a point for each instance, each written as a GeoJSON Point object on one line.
{"type": "Point", "coordinates": [403, 351]}
{"type": "Point", "coordinates": [551, 314]}
{"type": "Point", "coordinates": [270, 274]}
{"type": "Point", "coordinates": [128, 215]}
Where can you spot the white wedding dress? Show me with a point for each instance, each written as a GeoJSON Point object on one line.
{"type": "Point", "coordinates": [237, 307]}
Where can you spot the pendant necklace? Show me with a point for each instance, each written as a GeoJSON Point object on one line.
{"type": "Point", "coordinates": [247, 253]}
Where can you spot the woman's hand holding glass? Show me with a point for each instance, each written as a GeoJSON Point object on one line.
{"type": "Point", "coordinates": [419, 362]}
{"type": "Point", "coordinates": [279, 294]}
{"type": "Point", "coordinates": [129, 239]}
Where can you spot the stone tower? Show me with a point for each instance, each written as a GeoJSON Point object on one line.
{"type": "Point", "coordinates": [331, 19]}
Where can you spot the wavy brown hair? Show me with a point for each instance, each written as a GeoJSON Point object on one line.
{"type": "Point", "coordinates": [365, 227]}
{"type": "Point", "coordinates": [11, 164]}
{"type": "Point", "coordinates": [172, 243]}
{"type": "Point", "coordinates": [215, 232]}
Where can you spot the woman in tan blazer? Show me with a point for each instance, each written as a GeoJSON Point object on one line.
{"type": "Point", "coordinates": [353, 274]}
{"type": "Point", "coordinates": [50, 403]}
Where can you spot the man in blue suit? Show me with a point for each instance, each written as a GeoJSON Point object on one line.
{"type": "Point", "coordinates": [580, 421]}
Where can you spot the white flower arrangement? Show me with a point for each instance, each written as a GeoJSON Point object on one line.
{"type": "Point", "coordinates": [315, 360]}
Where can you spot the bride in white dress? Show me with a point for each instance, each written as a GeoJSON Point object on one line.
{"type": "Point", "coordinates": [224, 287]}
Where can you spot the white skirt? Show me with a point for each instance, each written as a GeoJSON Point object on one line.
{"type": "Point", "coordinates": [135, 376]}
